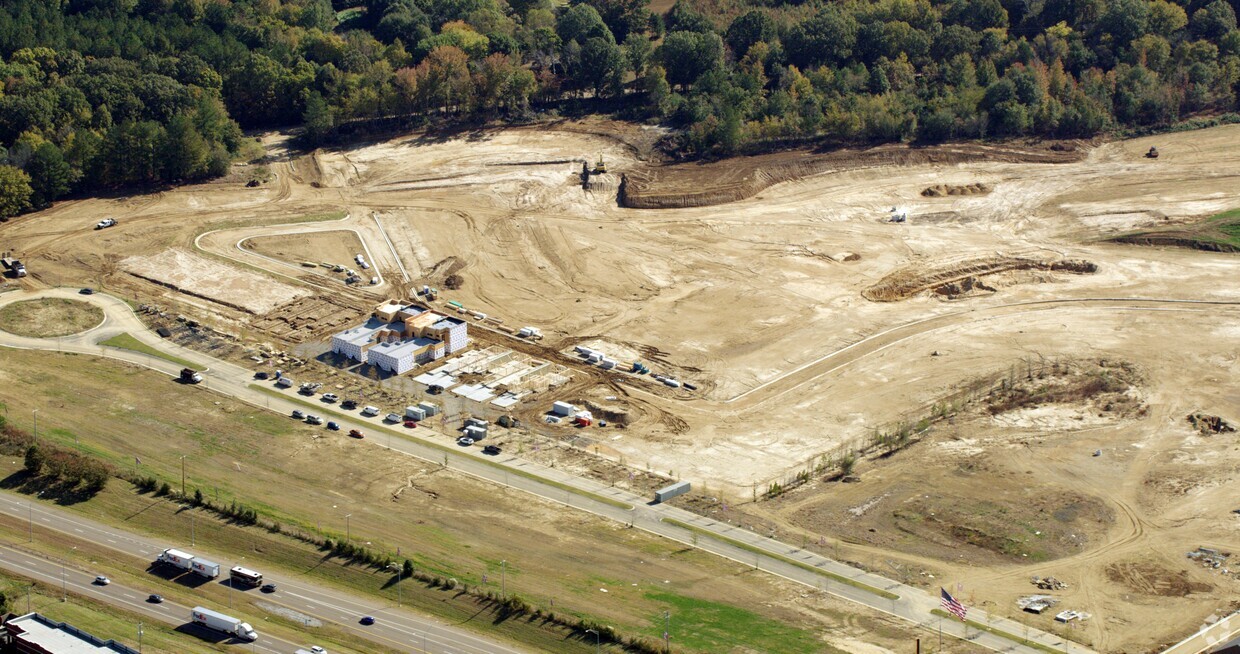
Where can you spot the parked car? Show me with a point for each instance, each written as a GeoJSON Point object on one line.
{"type": "Point", "coordinates": [370, 411]}
{"type": "Point", "coordinates": [392, 417]}
{"type": "Point", "coordinates": [87, 291]}
{"type": "Point", "coordinates": [299, 414]}
{"type": "Point", "coordinates": [348, 404]}
{"type": "Point", "coordinates": [464, 441]}
{"type": "Point", "coordinates": [491, 450]}
{"type": "Point", "coordinates": [367, 620]}
{"type": "Point", "coordinates": [330, 397]}
{"type": "Point", "coordinates": [356, 434]}
{"type": "Point", "coordinates": [315, 649]}
{"type": "Point", "coordinates": [155, 599]}
{"type": "Point", "coordinates": [334, 426]}
{"type": "Point", "coordinates": [314, 420]}
{"type": "Point", "coordinates": [261, 375]}
{"type": "Point", "coordinates": [268, 588]}
{"type": "Point", "coordinates": [409, 424]}
{"type": "Point", "coordinates": [102, 580]}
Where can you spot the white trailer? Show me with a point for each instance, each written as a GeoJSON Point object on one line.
{"type": "Point", "coordinates": [225, 623]}
{"type": "Point", "coordinates": [205, 568]}
{"type": "Point", "coordinates": [182, 560]}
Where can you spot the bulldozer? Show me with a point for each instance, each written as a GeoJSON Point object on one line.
{"type": "Point", "coordinates": [1152, 153]}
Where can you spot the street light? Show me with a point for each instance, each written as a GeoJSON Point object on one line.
{"type": "Point", "coordinates": [183, 476]}
{"type": "Point", "coordinates": [503, 579]}
{"type": "Point", "coordinates": [348, 535]}
{"type": "Point", "coordinates": [399, 591]}
{"type": "Point", "coordinates": [596, 639]}
{"type": "Point", "coordinates": [139, 638]}
{"type": "Point", "coordinates": [64, 587]}
{"type": "Point", "coordinates": [36, 424]}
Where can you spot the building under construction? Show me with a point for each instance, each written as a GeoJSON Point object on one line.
{"type": "Point", "coordinates": [399, 337]}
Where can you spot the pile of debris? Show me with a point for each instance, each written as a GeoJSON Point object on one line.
{"type": "Point", "coordinates": [1209, 558]}
{"type": "Point", "coordinates": [1070, 615]}
{"type": "Point", "coordinates": [1208, 424]}
{"type": "Point", "coordinates": [1036, 603]}
{"type": "Point", "coordinates": [1048, 583]}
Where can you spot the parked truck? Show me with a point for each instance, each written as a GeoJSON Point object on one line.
{"type": "Point", "coordinates": [190, 376]}
{"type": "Point", "coordinates": [14, 267]}
{"type": "Point", "coordinates": [187, 561]}
{"type": "Point", "coordinates": [225, 623]}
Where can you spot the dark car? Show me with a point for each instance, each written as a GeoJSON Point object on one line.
{"type": "Point", "coordinates": [261, 375]}
{"type": "Point", "coordinates": [348, 404]}
{"type": "Point", "coordinates": [297, 413]}
{"type": "Point", "coordinates": [155, 599]}
{"type": "Point", "coordinates": [491, 450]}
{"type": "Point", "coordinates": [268, 588]}
{"type": "Point", "coordinates": [87, 291]}
{"type": "Point", "coordinates": [333, 426]}
{"type": "Point", "coordinates": [367, 620]}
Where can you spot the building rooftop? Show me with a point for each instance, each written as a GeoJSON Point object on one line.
{"type": "Point", "coordinates": [446, 322]}
{"type": "Point", "coordinates": [399, 349]}
{"type": "Point", "coordinates": [61, 637]}
{"type": "Point", "coordinates": [363, 334]}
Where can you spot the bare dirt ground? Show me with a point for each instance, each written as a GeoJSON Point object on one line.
{"type": "Point", "coordinates": [201, 277]}
{"type": "Point", "coordinates": [49, 318]}
{"type": "Point", "coordinates": [760, 302]}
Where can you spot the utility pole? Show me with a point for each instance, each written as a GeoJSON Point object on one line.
{"type": "Point", "coordinates": [182, 476]}
{"type": "Point", "coordinates": [191, 530]}
{"type": "Point", "coordinates": [667, 631]}
{"type": "Point", "coordinates": [503, 578]}
{"type": "Point", "coordinates": [139, 638]}
{"type": "Point", "coordinates": [36, 424]}
{"type": "Point", "coordinates": [348, 535]}
{"type": "Point", "coordinates": [30, 519]}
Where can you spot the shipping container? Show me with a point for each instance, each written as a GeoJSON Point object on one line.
{"type": "Point", "coordinates": [668, 492]}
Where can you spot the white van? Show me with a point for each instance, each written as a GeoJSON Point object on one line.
{"type": "Point", "coordinates": [370, 411]}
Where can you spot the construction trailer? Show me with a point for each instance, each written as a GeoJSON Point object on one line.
{"type": "Point", "coordinates": [668, 492]}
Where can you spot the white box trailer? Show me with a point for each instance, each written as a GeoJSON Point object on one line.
{"type": "Point", "coordinates": [429, 408]}
{"type": "Point", "coordinates": [180, 559]}
{"type": "Point", "coordinates": [563, 409]}
{"type": "Point", "coordinates": [225, 623]}
{"type": "Point", "coordinates": [414, 413]}
{"type": "Point", "coordinates": [205, 568]}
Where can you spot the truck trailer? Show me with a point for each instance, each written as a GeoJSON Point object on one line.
{"type": "Point", "coordinates": [225, 623]}
{"type": "Point", "coordinates": [187, 561]}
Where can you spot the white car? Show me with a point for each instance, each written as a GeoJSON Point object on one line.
{"type": "Point", "coordinates": [392, 417]}
{"type": "Point", "coordinates": [105, 223]}
{"type": "Point", "coordinates": [330, 397]}
{"type": "Point", "coordinates": [314, 420]}
{"type": "Point", "coordinates": [102, 580]}
{"type": "Point", "coordinates": [370, 411]}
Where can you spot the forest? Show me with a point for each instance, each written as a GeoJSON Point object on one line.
{"type": "Point", "coordinates": [106, 94]}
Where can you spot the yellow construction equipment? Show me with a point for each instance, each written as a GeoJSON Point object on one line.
{"type": "Point", "coordinates": [600, 167]}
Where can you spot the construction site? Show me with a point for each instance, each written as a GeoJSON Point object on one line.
{"type": "Point", "coordinates": [988, 389]}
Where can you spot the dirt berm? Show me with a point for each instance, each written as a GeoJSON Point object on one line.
{"type": "Point", "coordinates": [720, 182]}
{"type": "Point", "coordinates": [911, 280]}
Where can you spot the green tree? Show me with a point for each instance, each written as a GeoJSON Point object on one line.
{"type": "Point", "coordinates": [748, 29]}
{"type": "Point", "coordinates": [50, 175]}
{"type": "Point", "coordinates": [183, 152]}
{"type": "Point", "coordinates": [34, 461]}
{"type": "Point", "coordinates": [1214, 20]}
{"type": "Point", "coordinates": [623, 17]}
{"type": "Point", "coordinates": [319, 119]}
{"type": "Point", "coordinates": [827, 37]}
{"type": "Point", "coordinates": [15, 191]}
{"type": "Point", "coordinates": [686, 56]}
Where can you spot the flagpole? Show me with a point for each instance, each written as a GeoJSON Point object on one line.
{"type": "Point", "coordinates": [940, 650]}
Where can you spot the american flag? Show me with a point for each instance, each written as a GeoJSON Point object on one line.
{"type": "Point", "coordinates": [955, 608]}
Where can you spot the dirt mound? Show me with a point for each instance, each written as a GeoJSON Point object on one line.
{"type": "Point", "coordinates": [941, 190]}
{"type": "Point", "coordinates": [1107, 386]}
{"type": "Point", "coordinates": [1152, 579]}
{"type": "Point", "coordinates": [911, 280]}
{"type": "Point", "coordinates": [705, 184]}
{"type": "Point", "coordinates": [968, 286]}
{"type": "Point", "coordinates": [1208, 424]}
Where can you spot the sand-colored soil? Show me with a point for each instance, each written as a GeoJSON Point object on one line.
{"type": "Point", "coordinates": [202, 277]}
{"type": "Point", "coordinates": [760, 302]}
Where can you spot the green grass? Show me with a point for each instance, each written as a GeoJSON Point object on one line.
{"type": "Point", "coordinates": [999, 632]}
{"type": "Point", "coordinates": [1228, 222]}
{"type": "Point", "coordinates": [126, 341]}
{"type": "Point", "coordinates": [320, 408]}
{"type": "Point", "coordinates": [716, 627]}
{"type": "Point", "coordinates": [800, 564]}
{"type": "Point", "coordinates": [1220, 232]}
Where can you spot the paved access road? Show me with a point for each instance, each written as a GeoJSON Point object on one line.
{"type": "Point", "coordinates": [73, 580]}
{"type": "Point", "coordinates": [913, 604]}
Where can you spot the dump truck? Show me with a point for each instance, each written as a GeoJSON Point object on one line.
{"type": "Point", "coordinates": [190, 376]}
{"type": "Point", "coordinates": [14, 267]}
{"type": "Point", "coordinates": [225, 623]}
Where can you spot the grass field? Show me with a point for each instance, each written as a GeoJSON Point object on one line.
{"type": "Point", "coordinates": [308, 479]}
{"type": "Point", "coordinates": [703, 625]}
{"type": "Point", "coordinates": [126, 341]}
{"type": "Point", "coordinates": [999, 632]}
{"type": "Point", "coordinates": [49, 317]}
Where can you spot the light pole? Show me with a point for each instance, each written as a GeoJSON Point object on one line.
{"type": "Point", "coordinates": [182, 476]}
{"type": "Point", "coordinates": [348, 535]}
{"type": "Point", "coordinates": [64, 586]}
{"type": "Point", "coordinates": [139, 638]}
{"type": "Point", "coordinates": [503, 578]}
{"type": "Point", "coordinates": [667, 631]}
{"type": "Point", "coordinates": [399, 591]}
{"type": "Point", "coordinates": [36, 424]}
{"type": "Point", "coordinates": [596, 639]}
{"type": "Point", "coordinates": [30, 519]}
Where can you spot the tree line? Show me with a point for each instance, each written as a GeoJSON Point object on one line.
{"type": "Point", "coordinates": [104, 93]}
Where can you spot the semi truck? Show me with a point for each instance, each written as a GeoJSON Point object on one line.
{"type": "Point", "coordinates": [220, 622]}
{"type": "Point", "coordinates": [187, 561]}
{"type": "Point", "coordinates": [14, 267]}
